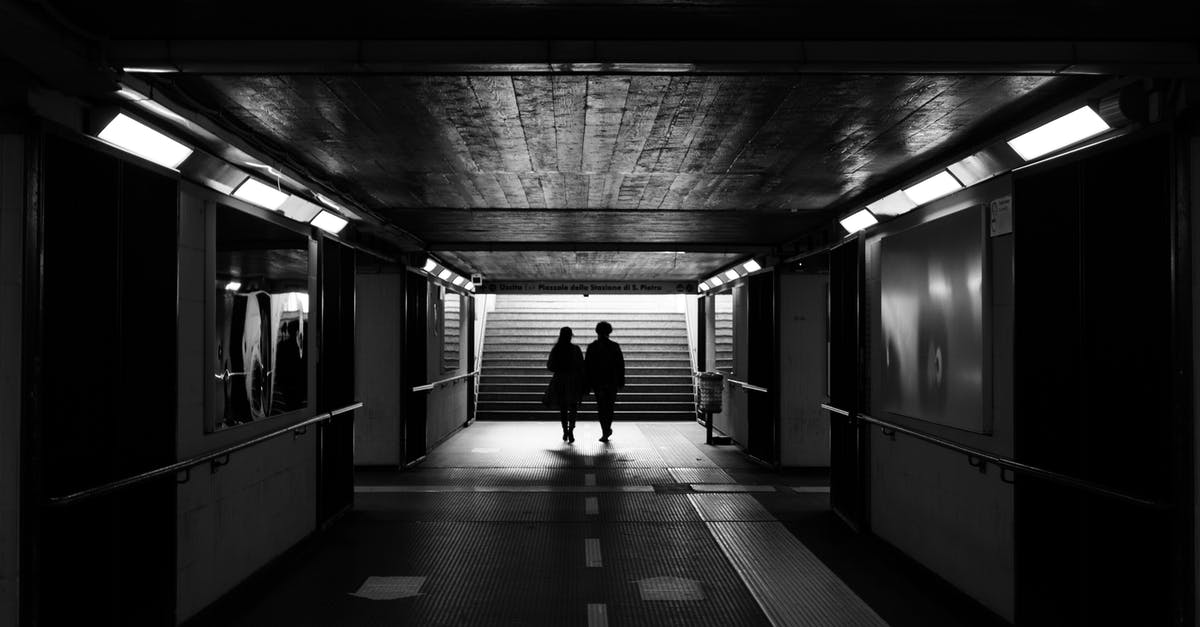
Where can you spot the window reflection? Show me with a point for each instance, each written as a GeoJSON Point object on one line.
{"type": "Point", "coordinates": [262, 313]}
{"type": "Point", "coordinates": [451, 332]}
{"type": "Point", "coordinates": [723, 332]}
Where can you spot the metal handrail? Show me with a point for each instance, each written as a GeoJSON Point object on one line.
{"type": "Point", "coordinates": [979, 459]}
{"type": "Point", "coordinates": [746, 386]}
{"type": "Point", "coordinates": [430, 386]}
{"type": "Point", "coordinates": [187, 464]}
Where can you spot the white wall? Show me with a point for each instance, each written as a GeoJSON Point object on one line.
{"type": "Point", "coordinates": [803, 425]}
{"type": "Point", "coordinates": [12, 203]}
{"type": "Point", "coordinates": [232, 522]}
{"type": "Point", "coordinates": [927, 501]}
{"type": "Point", "coordinates": [378, 363]}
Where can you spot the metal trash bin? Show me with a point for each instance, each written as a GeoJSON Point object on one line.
{"type": "Point", "coordinates": [709, 390]}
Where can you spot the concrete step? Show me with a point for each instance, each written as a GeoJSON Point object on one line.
{"type": "Point", "coordinates": [535, 396]}
{"type": "Point", "coordinates": [588, 403]}
{"type": "Point", "coordinates": [509, 348]}
{"type": "Point", "coordinates": [539, 363]}
{"type": "Point", "coordinates": [618, 415]}
{"type": "Point", "coordinates": [585, 316]}
{"type": "Point", "coordinates": [630, 380]}
{"type": "Point", "coordinates": [582, 337]}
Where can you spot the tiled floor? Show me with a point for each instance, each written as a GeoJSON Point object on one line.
{"type": "Point", "coordinates": [505, 524]}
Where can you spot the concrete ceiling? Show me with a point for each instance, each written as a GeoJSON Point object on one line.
{"type": "Point", "coordinates": [511, 138]}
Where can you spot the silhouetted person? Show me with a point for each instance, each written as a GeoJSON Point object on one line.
{"type": "Point", "coordinates": [290, 374]}
{"type": "Point", "coordinates": [605, 366]}
{"type": "Point", "coordinates": [567, 384]}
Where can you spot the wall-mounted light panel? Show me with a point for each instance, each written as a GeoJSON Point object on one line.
{"type": "Point", "coordinates": [258, 193]}
{"type": "Point", "coordinates": [1074, 127]}
{"type": "Point", "coordinates": [329, 222]}
{"type": "Point", "coordinates": [856, 222]}
{"type": "Point", "coordinates": [132, 136]}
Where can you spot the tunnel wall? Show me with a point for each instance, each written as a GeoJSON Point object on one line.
{"type": "Point", "coordinates": [803, 425]}
{"type": "Point", "coordinates": [12, 210]}
{"type": "Point", "coordinates": [928, 501]}
{"type": "Point", "coordinates": [232, 522]}
{"type": "Point", "coordinates": [446, 406]}
{"type": "Point", "coordinates": [380, 308]}
{"type": "Point", "coordinates": [733, 420]}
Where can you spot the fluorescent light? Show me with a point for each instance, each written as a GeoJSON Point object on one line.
{"type": "Point", "coordinates": [258, 193]}
{"type": "Point", "coordinates": [716, 281]}
{"type": "Point", "coordinates": [933, 188]}
{"type": "Point", "coordinates": [703, 287]}
{"type": "Point", "coordinates": [731, 274]}
{"type": "Point", "coordinates": [459, 280]}
{"type": "Point", "coordinates": [299, 209]}
{"type": "Point", "coordinates": [445, 274]}
{"type": "Point", "coordinates": [470, 287]}
{"type": "Point", "coordinates": [893, 204]}
{"type": "Point", "coordinates": [329, 222]}
{"type": "Point", "coordinates": [751, 266]}
{"type": "Point", "coordinates": [1073, 127]}
{"type": "Point", "coordinates": [156, 69]}
{"type": "Point", "coordinates": [132, 136]}
{"type": "Point", "coordinates": [858, 221]}
{"type": "Point", "coordinates": [233, 286]}
{"type": "Point", "coordinates": [973, 169]}
{"type": "Point", "coordinates": [430, 264]}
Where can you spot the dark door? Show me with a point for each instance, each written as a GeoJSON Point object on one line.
{"type": "Point", "coordinates": [1092, 389]}
{"type": "Point", "coordinates": [848, 443]}
{"type": "Point", "coordinates": [102, 394]}
{"type": "Point", "coordinates": [762, 366]}
{"type": "Point", "coordinates": [416, 319]}
{"type": "Point", "coordinates": [335, 378]}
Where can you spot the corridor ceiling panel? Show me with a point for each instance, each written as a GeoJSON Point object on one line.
{"type": "Point", "coordinates": [594, 265]}
{"type": "Point", "coordinates": [644, 142]}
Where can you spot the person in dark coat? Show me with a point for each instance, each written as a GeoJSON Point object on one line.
{"type": "Point", "coordinates": [605, 368]}
{"type": "Point", "coordinates": [567, 384]}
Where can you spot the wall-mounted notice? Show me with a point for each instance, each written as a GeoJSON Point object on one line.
{"type": "Point", "coordinates": [1000, 216]}
{"type": "Point", "coordinates": [587, 287]}
{"type": "Point", "coordinates": [933, 279]}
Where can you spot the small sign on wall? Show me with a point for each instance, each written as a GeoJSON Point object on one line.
{"type": "Point", "coordinates": [1000, 216]}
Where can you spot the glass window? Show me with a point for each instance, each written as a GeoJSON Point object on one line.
{"type": "Point", "coordinates": [451, 331]}
{"type": "Point", "coordinates": [261, 319]}
{"type": "Point", "coordinates": [723, 331]}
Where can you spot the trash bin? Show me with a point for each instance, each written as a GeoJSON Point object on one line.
{"type": "Point", "coordinates": [710, 388]}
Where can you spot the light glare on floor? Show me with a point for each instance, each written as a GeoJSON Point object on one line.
{"type": "Point", "coordinates": [933, 188]}
{"type": "Point", "coordinates": [858, 221]}
{"type": "Point", "coordinates": [132, 136]}
{"type": "Point", "coordinates": [329, 222]}
{"type": "Point", "coordinates": [258, 193]}
{"type": "Point", "coordinates": [1073, 127]}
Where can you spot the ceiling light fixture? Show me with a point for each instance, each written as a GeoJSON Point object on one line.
{"type": "Point", "coordinates": [893, 204]}
{"type": "Point", "coordinates": [233, 286]}
{"type": "Point", "coordinates": [858, 221]}
{"type": "Point", "coordinates": [933, 188]}
{"type": "Point", "coordinates": [1074, 127]}
{"type": "Point", "coordinates": [459, 280]}
{"type": "Point", "coordinates": [751, 266]}
{"type": "Point", "coordinates": [445, 274]}
{"type": "Point", "coordinates": [716, 281]}
{"type": "Point", "coordinates": [732, 274]}
{"type": "Point", "coordinates": [132, 136]}
{"type": "Point", "coordinates": [258, 193]}
{"type": "Point", "coordinates": [430, 264]}
{"type": "Point", "coordinates": [329, 222]}
{"type": "Point", "coordinates": [703, 286]}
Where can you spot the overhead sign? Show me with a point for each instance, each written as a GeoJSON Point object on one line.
{"type": "Point", "coordinates": [586, 287]}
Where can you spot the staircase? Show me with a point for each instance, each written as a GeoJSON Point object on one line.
{"type": "Point", "coordinates": [521, 331]}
